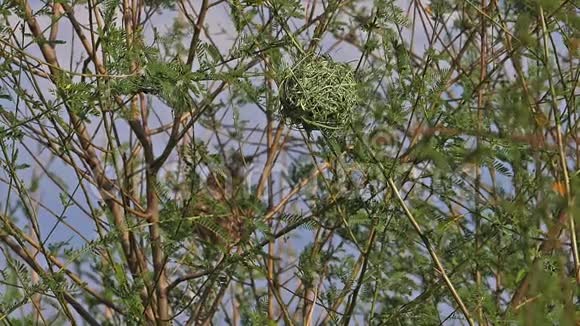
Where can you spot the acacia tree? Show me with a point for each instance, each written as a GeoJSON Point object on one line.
{"type": "Point", "coordinates": [284, 161]}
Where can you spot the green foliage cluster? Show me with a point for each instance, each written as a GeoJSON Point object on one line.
{"type": "Point", "coordinates": [172, 82]}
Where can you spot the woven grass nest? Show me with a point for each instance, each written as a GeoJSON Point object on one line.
{"type": "Point", "coordinates": [319, 94]}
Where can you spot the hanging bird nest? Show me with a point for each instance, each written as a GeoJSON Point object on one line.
{"type": "Point", "coordinates": [319, 94]}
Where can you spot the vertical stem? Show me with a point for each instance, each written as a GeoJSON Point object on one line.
{"type": "Point", "coordinates": [138, 122]}
{"type": "Point", "coordinates": [35, 277]}
{"type": "Point", "coordinates": [432, 253]}
{"type": "Point", "coordinates": [161, 287]}
{"type": "Point", "coordinates": [235, 307]}
{"type": "Point", "coordinates": [365, 261]}
{"type": "Point", "coordinates": [267, 178]}
{"type": "Point", "coordinates": [562, 152]}
{"type": "Point", "coordinates": [479, 110]}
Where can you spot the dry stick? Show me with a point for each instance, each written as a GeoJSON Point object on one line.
{"type": "Point", "coordinates": [570, 200]}
{"type": "Point", "coordinates": [209, 314]}
{"type": "Point", "coordinates": [308, 321]}
{"type": "Point", "coordinates": [271, 214]}
{"type": "Point", "coordinates": [74, 277]}
{"type": "Point", "coordinates": [297, 188]}
{"type": "Point", "coordinates": [81, 174]}
{"type": "Point", "coordinates": [272, 152]}
{"type": "Point", "coordinates": [235, 308]}
{"type": "Point", "coordinates": [522, 289]}
{"type": "Point", "coordinates": [152, 200]}
{"type": "Point", "coordinates": [549, 244]}
{"type": "Point", "coordinates": [365, 261]}
{"type": "Point", "coordinates": [80, 129]}
{"type": "Point", "coordinates": [297, 292]}
{"type": "Point", "coordinates": [479, 109]}
{"type": "Point", "coordinates": [138, 126]}
{"type": "Point", "coordinates": [134, 122]}
{"type": "Point", "coordinates": [36, 298]}
{"type": "Point", "coordinates": [325, 19]}
{"type": "Point", "coordinates": [103, 183]}
{"type": "Point", "coordinates": [31, 68]}
{"type": "Point", "coordinates": [359, 267]}
{"type": "Point", "coordinates": [174, 136]}
{"type": "Point", "coordinates": [268, 216]}
{"type": "Point", "coordinates": [27, 257]}
{"type": "Point", "coordinates": [432, 253]}
{"type": "Point", "coordinates": [518, 298]}
{"type": "Point", "coordinates": [271, 244]}
{"type": "Point", "coordinates": [285, 313]}
{"type": "Point", "coordinates": [308, 302]}
{"type": "Point", "coordinates": [334, 308]}
{"type": "Point", "coordinates": [197, 32]}
{"type": "Point", "coordinates": [48, 64]}
{"type": "Point", "coordinates": [274, 148]}
{"type": "Point", "coordinates": [190, 57]}
{"type": "Point", "coordinates": [57, 12]}
{"type": "Point", "coordinates": [173, 141]}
